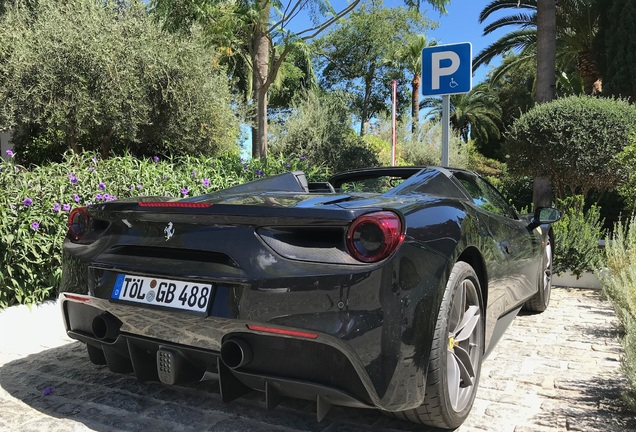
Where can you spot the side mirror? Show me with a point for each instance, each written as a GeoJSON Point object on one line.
{"type": "Point", "coordinates": [546, 215]}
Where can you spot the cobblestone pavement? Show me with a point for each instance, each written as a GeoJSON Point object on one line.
{"type": "Point", "coordinates": [556, 371]}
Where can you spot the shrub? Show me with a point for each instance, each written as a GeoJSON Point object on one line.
{"type": "Point", "coordinates": [34, 204]}
{"type": "Point", "coordinates": [573, 141]}
{"type": "Point", "coordinates": [576, 237]}
{"type": "Point", "coordinates": [620, 286]}
{"type": "Point", "coordinates": [319, 127]}
{"type": "Point", "coordinates": [627, 159]}
{"type": "Point", "coordinates": [101, 75]}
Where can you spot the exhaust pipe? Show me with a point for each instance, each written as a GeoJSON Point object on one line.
{"type": "Point", "coordinates": [106, 327]}
{"type": "Point", "coordinates": [236, 353]}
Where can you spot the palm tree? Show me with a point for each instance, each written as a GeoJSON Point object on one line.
{"type": "Point", "coordinates": [475, 114]}
{"type": "Point", "coordinates": [410, 58]}
{"type": "Point", "coordinates": [577, 25]}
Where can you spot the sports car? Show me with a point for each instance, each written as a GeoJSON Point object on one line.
{"type": "Point", "coordinates": [382, 288]}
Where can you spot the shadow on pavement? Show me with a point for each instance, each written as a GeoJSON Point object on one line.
{"type": "Point", "coordinates": [64, 386]}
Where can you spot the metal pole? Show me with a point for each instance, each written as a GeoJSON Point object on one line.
{"type": "Point", "coordinates": [394, 96]}
{"type": "Point", "coordinates": [445, 128]}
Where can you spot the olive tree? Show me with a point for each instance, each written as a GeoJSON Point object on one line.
{"type": "Point", "coordinates": [101, 75]}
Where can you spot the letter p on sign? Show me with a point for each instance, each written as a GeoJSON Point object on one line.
{"type": "Point", "coordinates": [447, 69]}
{"type": "Point", "coordinates": [438, 70]}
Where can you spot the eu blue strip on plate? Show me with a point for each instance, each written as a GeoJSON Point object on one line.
{"type": "Point", "coordinates": [119, 282]}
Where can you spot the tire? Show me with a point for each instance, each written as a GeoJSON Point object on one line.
{"type": "Point", "coordinates": [540, 301]}
{"type": "Point", "coordinates": [457, 350]}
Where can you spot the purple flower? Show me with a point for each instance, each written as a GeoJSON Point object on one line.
{"type": "Point", "coordinates": [89, 203]}
{"type": "Point", "coordinates": [76, 198]}
{"type": "Point", "coordinates": [155, 159]}
{"type": "Point", "coordinates": [164, 176]}
{"type": "Point", "coordinates": [94, 159]}
{"type": "Point", "coordinates": [102, 186]}
{"type": "Point", "coordinates": [259, 172]}
{"type": "Point", "coordinates": [288, 165]}
{"type": "Point", "coordinates": [205, 182]}
{"type": "Point", "coordinates": [66, 207]}
{"type": "Point", "coordinates": [194, 173]}
{"type": "Point", "coordinates": [303, 158]}
{"type": "Point", "coordinates": [140, 186]}
{"type": "Point", "coordinates": [35, 226]}
{"type": "Point", "coordinates": [244, 166]}
{"type": "Point", "coordinates": [131, 187]}
{"type": "Point", "coordinates": [56, 207]}
{"type": "Point", "coordinates": [91, 169]}
{"type": "Point", "coordinates": [184, 191]}
{"type": "Point", "coordinates": [98, 197]}
{"type": "Point", "coordinates": [28, 202]}
{"type": "Point", "coordinates": [72, 178]}
{"type": "Point", "coordinates": [106, 197]}
{"type": "Point", "coordinates": [10, 153]}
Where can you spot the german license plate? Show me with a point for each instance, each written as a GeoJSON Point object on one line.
{"type": "Point", "coordinates": [162, 292]}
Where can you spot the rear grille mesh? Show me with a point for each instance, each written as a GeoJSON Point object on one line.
{"type": "Point", "coordinates": [174, 254]}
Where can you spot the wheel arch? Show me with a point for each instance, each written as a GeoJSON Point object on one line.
{"type": "Point", "coordinates": [473, 257]}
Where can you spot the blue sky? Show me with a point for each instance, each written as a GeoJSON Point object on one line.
{"type": "Point", "coordinates": [461, 24]}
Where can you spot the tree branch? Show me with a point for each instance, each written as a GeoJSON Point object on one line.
{"type": "Point", "coordinates": [315, 31]}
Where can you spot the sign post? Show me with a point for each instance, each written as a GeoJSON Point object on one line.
{"type": "Point", "coordinates": [446, 70]}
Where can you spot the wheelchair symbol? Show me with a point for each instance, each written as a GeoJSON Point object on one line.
{"type": "Point", "coordinates": [453, 83]}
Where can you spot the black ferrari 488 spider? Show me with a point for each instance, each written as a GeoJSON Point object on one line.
{"type": "Point", "coordinates": [383, 288]}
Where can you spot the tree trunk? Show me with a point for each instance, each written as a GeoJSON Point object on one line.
{"type": "Point", "coordinates": [106, 144]}
{"type": "Point", "coordinates": [587, 67]}
{"type": "Point", "coordinates": [415, 103]}
{"type": "Point", "coordinates": [71, 141]}
{"type": "Point", "coordinates": [546, 82]}
{"type": "Point", "coordinates": [260, 66]}
{"type": "Point", "coordinates": [546, 50]}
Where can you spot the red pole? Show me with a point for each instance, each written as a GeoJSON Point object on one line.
{"type": "Point", "coordinates": [394, 97]}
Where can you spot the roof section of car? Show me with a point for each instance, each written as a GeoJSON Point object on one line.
{"type": "Point", "coordinates": [432, 180]}
{"type": "Point", "coordinates": [369, 173]}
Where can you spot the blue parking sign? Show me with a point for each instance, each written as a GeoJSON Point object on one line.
{"type": "Point", "coordinates": [447, 69]}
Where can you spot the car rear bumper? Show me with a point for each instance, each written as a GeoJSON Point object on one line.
{"type": "Point", "coordinates": [324, 369]}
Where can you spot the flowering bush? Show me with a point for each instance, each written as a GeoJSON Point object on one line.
{"type": "Point", "coordinates": [35, 202]}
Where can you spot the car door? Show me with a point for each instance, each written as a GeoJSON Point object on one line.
{"type": "Point", "coordinates": [515, 246]}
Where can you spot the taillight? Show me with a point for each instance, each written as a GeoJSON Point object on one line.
{"type": "Point", "coordinates": [78, 223]}
{"type": "Point", "coordinates": [374, 236]}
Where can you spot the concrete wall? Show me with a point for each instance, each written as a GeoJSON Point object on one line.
{"type": "Point", "coordinates": [5, 137]}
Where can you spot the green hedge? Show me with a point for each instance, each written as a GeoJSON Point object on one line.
{"type": "Point", "coordinates": [35, 202]}
{"type": "Point", "coordinates": [576, 237]}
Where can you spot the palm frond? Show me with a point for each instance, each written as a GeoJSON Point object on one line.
{"type": "Point", "coordinates": [516, 40]}
{"type": "Point", "coordinates": [523, 20]}
{"type": "Point", "coordinates": [497, 5]}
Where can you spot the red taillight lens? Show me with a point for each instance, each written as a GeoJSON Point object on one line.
{"type": "Point", "coordinates": [374, 236]}
{"type": "Point", "coordinates": [78, 223]}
